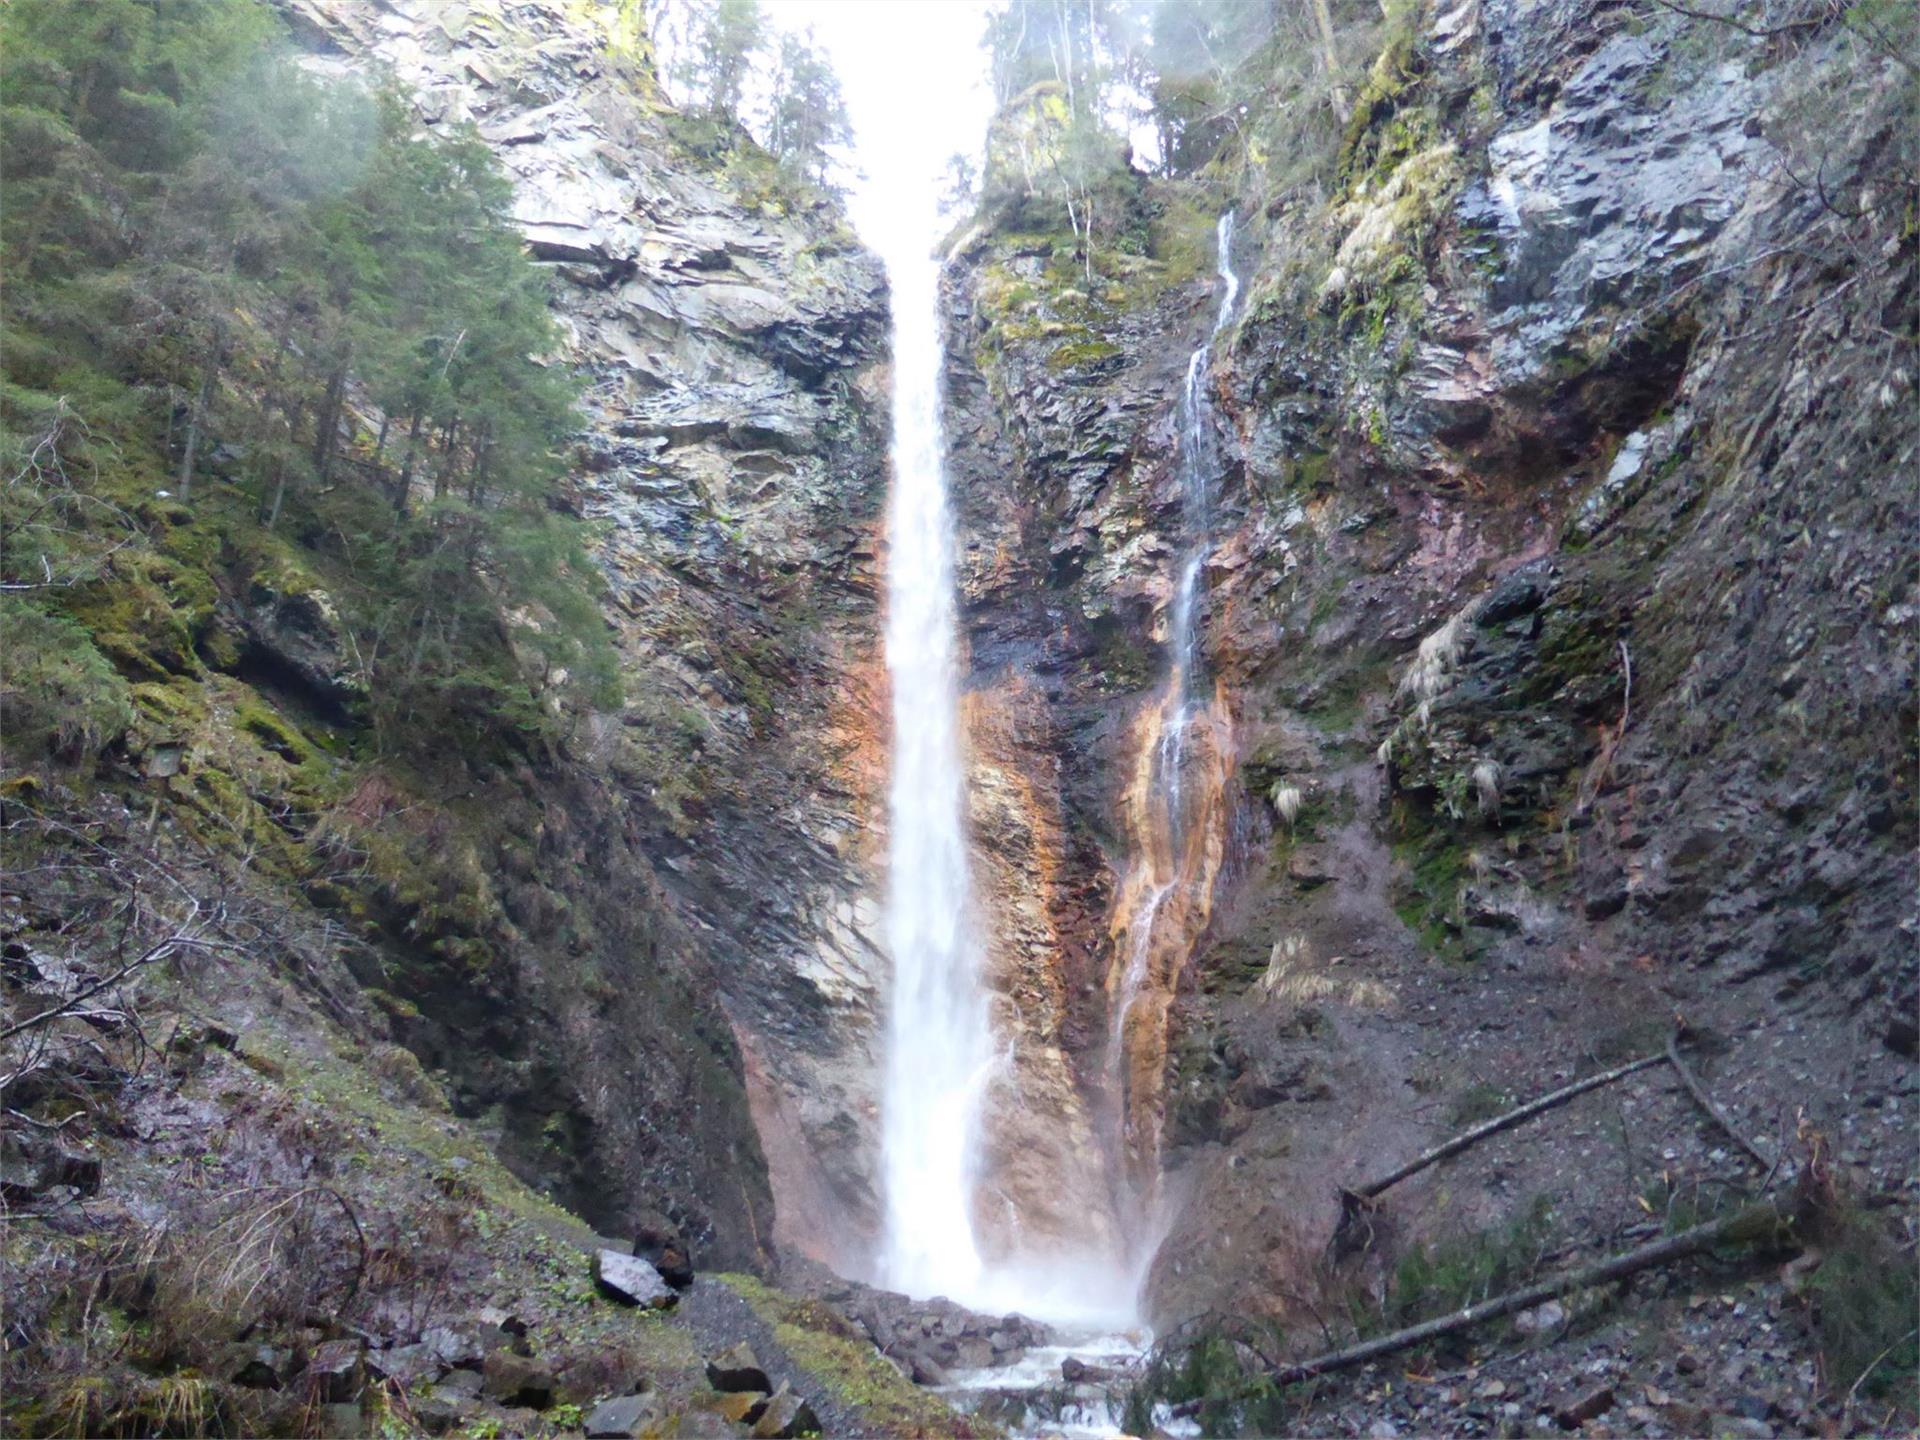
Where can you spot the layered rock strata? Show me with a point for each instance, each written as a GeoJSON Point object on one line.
{"type": "Point", "coordinates": [1559, 608]}
{"type": "Point", "coordinates": [732, 334]}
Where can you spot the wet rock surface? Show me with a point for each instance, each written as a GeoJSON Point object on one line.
{"type": "Point", "coordinates": [1522, 656]}
{"type": "Point", "coordinates": [933, 1338]}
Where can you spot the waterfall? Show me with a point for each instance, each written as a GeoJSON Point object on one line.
{"type": "Point", "coordinates": [1164, 900]}
{"type": "Point", "coordinates": [939, 1046]}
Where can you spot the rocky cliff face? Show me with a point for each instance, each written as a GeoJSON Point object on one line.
{"type": "Point", "coordinates": [1560, 611]}
{"type": "Point", "coordinates": [703, 870]}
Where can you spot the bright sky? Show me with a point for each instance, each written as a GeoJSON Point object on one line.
{"type": "Point", "coordinates": [915, 77]}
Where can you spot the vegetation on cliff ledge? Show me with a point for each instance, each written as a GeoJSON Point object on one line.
{"type": "Point", "coordinates": [266, 334]}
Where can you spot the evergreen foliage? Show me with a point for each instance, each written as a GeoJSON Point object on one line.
{"type": "Point", "coordinates": [715, 56]}
{"type": "Point", "coordinates": [252, 313]}
{"type": "Point", "coordinates": [725, 65]}
{"type": "Point", "coordinates": [807, 116]}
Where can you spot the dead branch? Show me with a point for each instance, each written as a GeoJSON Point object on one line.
{"type": "Point", "coordinates": [1756, 32]}
{"type": "Point", "coordinates": [1759, 1224]}
{"type": "Point", "coordinates": [149, 956]}
{"type": "Point", "coordinates": [1503, 1122]}
{"type": "Point", "coordinates": [1705, 1102]}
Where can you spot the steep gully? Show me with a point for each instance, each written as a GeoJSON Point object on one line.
{"type": "Point", "coordinates": [942, 1045]}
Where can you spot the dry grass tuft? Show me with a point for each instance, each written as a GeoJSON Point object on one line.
{"type": "Point", "coordinates": [1294, 976]}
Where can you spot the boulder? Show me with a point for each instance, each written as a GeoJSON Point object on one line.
{"type": "Point", "coordinates": [514, 1379]}
{"type": "Point", "coordinates": [925, 1370]}
{"type": "Point", "coordinates": [632, 1281]}
{"type": "Point", "coordinates": [31, 1165]}
{"type": "Point", "coordinates": [336, 1371]}
{"type": "Point", "coordinates": [1076, 1371]}
{"type": "Point", "coordinates": [737, 1369]}
{"type": "Point", "coordinates": [786, 1417]}
{"type": "Point", "coordinates": [295, 633]}
{"type": "Point", "coordinates": [622, 1418]}
{"type": "Point", "coordinates": [408, 1365]}
{"type": "Point", "coordinates": [261, 1367]}
{"type": "Point", "coordinates": [658, 1241]}
{"type": "Point", "coordinates": [698, 1424]}
{"type": "Point", "coordinates": [459, 1349]}
{"type": "Point", "coordinates": [739, 1408]}
{"type": "Point", "coordinates": [462, 1383]}
{"type": "Point", "coordinates": [436, 1414]}
{"type": "Point", "coordinates": [1575, 1413]}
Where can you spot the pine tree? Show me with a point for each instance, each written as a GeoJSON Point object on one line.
{"type": "Point", "coordinates": [721, 38]}
{"type": "Point", "coordinates": [807, 116]}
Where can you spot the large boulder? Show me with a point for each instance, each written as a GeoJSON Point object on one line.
{"type": "Point", "coordinates": [622, 1418]}
{"type": "Point", "coordinates": [293, 632]}
{"type": "Point", "coordinates": [658, 1241]}
{"type": "Point", "coordinates": [512, 1379]}
{"type": "Point", "coordinates": [632, 1281]}
{"type": "Point", "coordinates": [785, 1417]}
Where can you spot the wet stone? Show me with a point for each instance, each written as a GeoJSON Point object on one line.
{"type": "Point", "coordinates": [738, 1369]}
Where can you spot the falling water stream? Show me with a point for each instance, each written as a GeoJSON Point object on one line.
{"type": "Point", "coordinates": [1163, 863]}
{"type": "Point", "coordinates": [940, 1047]}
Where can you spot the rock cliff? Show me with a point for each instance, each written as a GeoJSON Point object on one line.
{"type": "Point", "coordinates": [1559, 609]}
{"type": "Point", "coordinates": [733, 333]}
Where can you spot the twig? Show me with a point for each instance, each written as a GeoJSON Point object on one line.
{"type": "Point", "coordinates": [46, 1124]}
{"type": "Point", "coordinates": [1757, 1224]}
{"type": "Point", "coordinates": [1755, 31]}
{"type": "Point", "coordinates": [1705, 1102]}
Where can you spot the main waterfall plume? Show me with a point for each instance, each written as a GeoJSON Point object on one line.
{"type": "Point", "coordinates": [939, 1046]}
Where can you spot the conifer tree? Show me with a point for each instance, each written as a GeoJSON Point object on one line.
{"type": "Point", "coordinates": [807, 116]}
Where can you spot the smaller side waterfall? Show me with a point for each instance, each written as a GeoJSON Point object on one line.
{"type": "Point", "coordinates": [1178, 829]}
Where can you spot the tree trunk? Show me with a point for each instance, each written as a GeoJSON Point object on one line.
{"type": "Point", "coordinates": [1505, 1122]}
{"type": "Point", "coordinates": [279, 492]}
{"type": "Point", "coordinates": [482, 464]}
{"type": "Point", "coordinates": [326, 429]}
{"type": "Point", "coordinates": [1761, 1224]}
{"type": "Point", "coordinates": [405, 487]}
{"type": "Point", "coordinates": [1330, 55]}
{"type": "Point", "coordinates": [443, 477]}
{"type": "Point", "coordinates": [197, 419]}
{"type": "Point", "coordinates": [380, 446]}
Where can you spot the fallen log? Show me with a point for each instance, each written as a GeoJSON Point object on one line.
{"type": "Point", "coordinates": [1762, 1223]}
{"type": "Point", "coordinates": [1503, 1122]}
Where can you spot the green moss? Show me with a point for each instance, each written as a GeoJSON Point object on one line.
{"type": "Point", "coordinates": [273, 731]}
{"type": "Point", "coordinates": [60, 695]}
{"type": "Point", "coordinates": [822, 1342]}
{"type": "Point", "coordinates": [1076, 354]}
{"type": "Point", "coordinates": [1430, 875]}
{"type": "Point", "coordinates": [135, 622]}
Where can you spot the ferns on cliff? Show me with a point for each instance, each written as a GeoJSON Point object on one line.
{"type": "Point", "coordinates": [279, 318]}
